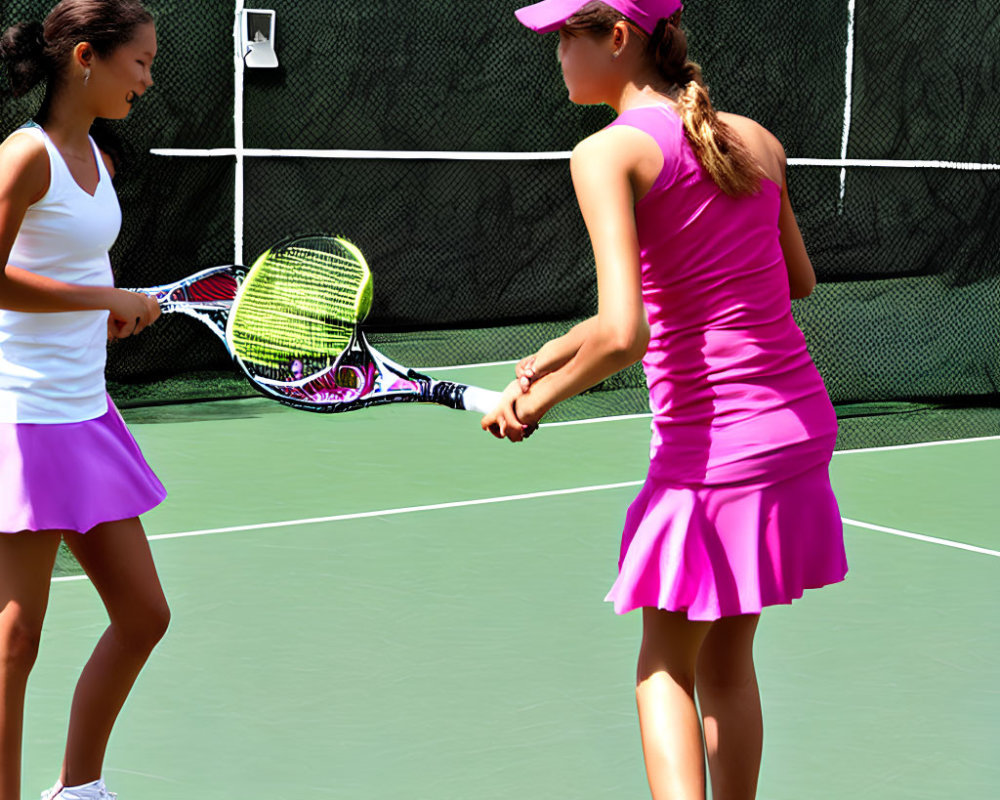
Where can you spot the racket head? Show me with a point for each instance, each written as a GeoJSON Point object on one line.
{"type": "Point", "coordinates": [295, 310]}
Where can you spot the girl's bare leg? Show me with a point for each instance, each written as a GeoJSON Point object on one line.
{"type": "Point", "coordinates": [116, 557]}
{"type": "Point", "coordinates": [668, 718]}
{"type": "Point", "coordinates": [730, 707]}
{"type": "Point", "coordinates": [26, 561]}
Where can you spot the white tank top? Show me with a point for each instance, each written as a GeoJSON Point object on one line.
{"type": "Point", "coordinates": [52, 364]}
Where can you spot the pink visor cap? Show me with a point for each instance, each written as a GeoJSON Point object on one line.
{"type": "Point", "coordinates": [551, 15]}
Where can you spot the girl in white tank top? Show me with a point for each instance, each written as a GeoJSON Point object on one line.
{"type": "Point", "coordinates": [52, 365]}
{"type": "Point", "coordinates": [69, 468]}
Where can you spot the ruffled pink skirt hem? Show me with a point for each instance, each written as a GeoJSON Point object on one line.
{"type": "Point", "coordinates": [728, 550]}
{"type": "Point", "coordinates": [73, 476]}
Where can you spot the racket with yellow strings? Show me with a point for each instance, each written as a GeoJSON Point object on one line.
{"type": "Point", "coordinates": [291, 324]}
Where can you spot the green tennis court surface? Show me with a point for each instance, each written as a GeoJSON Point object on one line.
{"type": "Point", "coordinates": [392, 604]}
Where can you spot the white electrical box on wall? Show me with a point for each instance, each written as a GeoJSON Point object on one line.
{"type": "Point", "coordinates": [257, 31]}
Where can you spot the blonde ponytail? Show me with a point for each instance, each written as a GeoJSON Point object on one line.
{"type": "Point", "coordinates": [718, 147]}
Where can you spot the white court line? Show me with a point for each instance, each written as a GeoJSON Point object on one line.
{"type": "Point", "coordinates": [913, 446]}
{"type": "Point", "coordinates": [554, 155]}
{"type": "Point", "coordinates": [921, 537]}
{"type": "Point", "coordinates": [468, 366]}
{"type": "Point", "coordinates": [593, 420]}
{"type": "Point", "coordinates": [381, 155]}
{"type": "Point", "coordinates": [886, 163]}
{"type": "Point", "coordinates": [620, 417]}
{"type": "Point", "coordinates": [936, 443]}
{"type": "Point", "coordinates": [294, 523]}
{"type": "Point", "coordinates": [393, 511]}
{"type": "Point", "coordinates": [239, 183]}
{"type": "Point", "coordinates": [848, 102]}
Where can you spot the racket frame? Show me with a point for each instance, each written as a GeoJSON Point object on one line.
{"type": "Point", "coordinates": [176, 297]}
{"type": "Point", "coordinates": [385, 382]}
{"type": "Point", "coordinates": [405, 385]}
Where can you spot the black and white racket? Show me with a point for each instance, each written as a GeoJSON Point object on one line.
{"type": "Point", "coordinates": [291, 321]}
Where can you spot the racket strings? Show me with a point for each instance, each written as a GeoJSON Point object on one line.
{"type": "Point", "coordinates": [218, 287]}
{"type": "Point", "coordinates": [297, 309]}
{"type": "Point", "coordinates": [335, 279]}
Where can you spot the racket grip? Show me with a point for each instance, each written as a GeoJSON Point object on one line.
{"type": "Point", "coordinates": [470, 398]}
{"type": "Point", "coordinates": [482, 401]}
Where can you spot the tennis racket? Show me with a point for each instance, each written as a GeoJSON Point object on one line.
{"type": "Point", "coordinates": [290, 323]}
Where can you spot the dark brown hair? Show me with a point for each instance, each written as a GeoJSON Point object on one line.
{"type": "Point", "coordinates": [718, 147]}
{"type": "Point", "coordinates": [34, 52]}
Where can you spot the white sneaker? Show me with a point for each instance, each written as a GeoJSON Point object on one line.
{"type": "Point", "coordinates": [48, 794]}
{"type": "Point", "coordinates": [87, 791]}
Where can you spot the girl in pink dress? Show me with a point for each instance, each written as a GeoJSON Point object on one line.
{"type": "Point", "coordinates": [698, 254]}
{"type": "Point", "coordinates": [69, 469]}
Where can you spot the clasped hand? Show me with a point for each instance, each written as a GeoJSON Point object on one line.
{"type": "Point", "coordinates": [515, 418]}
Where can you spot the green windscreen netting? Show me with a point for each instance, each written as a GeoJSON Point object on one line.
{"type": "Point", "coordinates": [479, 252]}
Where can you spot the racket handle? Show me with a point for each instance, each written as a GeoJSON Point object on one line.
{"type": "Point", "coordinates": [469, 398]}
{"type": "Point", "coordinates": [482, 401]}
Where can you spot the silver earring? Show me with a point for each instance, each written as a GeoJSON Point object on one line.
{"type": "Point", "coordinates": [86, 76]}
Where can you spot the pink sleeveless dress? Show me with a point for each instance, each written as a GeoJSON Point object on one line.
{"type": "Point", "coordinates": [737, 512]}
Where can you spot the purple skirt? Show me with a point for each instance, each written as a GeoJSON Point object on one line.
{"type": "Point", "coordinates": [73, 476]}
{"type": "Point", "coordinates": [727, 550]}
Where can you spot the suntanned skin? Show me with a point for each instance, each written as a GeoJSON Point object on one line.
{"type": "Point", "coordinates": [115, 555]}
{"type": "Point", "coordinates": [24, 180]}
{"type": "Point", "coordinates": [611, 171]}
